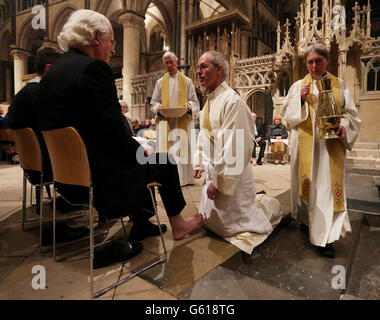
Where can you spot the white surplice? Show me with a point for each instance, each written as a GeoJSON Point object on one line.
{"type": "Point", "coordinates": [184, 164]}
{"type": "Point", "coordinates": [325, 225]}
{"type": "Point", "coordinates": [234, 214]}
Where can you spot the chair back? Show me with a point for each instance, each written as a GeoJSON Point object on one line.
{"type": "Point", "coordinates": [6, 135]}
{"type": "Point", "coordinates": [28, 149]}
{"type": "Point", "coordinates": [68, 156]}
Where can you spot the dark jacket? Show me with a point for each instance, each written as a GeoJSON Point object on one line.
{"type": "Point", "coordinates": [277, 130]}
{"type": "Point", "coordinates": [80, 91]}
{"type": "Point", "coordinates": [260, 131]}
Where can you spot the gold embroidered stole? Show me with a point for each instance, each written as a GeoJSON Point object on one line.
{"type": "Point", "coordinates": [335, 148]}
{"type": "Point", "coordinates": [206, 125]}
{"type": "Point", "coordinates": [182, 122]}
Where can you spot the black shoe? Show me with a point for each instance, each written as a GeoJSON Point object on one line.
{"type": "Point", "coordinates": [63, 206]}
{"type": "Point", "coordinates": [146, 229]}
{"type": "Point", "coordinates": [261, 192]}
{"type": "Point", "coordinates": [116, 251]}
{"type": "Point", "coordinates": [63, 233]}
{"type": "Point", "coordinates": [259, 163]}
{"type": "Point", "coordinates": [304, 228]}
{"type": "Point", "coordinates": [327, 251]}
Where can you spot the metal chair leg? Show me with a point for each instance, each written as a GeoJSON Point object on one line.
{"type": "Point", "coordinates": [91, 246]}
{"type": "Point", "coordinates": [54, 221]}
{"type": "Point", "coordinates": [23, 201]}
{"type": "Point", "coordinates": [41, 206]}
{"type": "Point", "coordinates": [158, 220]}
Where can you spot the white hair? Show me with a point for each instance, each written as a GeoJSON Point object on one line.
{"type": "Point", "coordinates": [126, 106]}
{"type": "Point", "coordinates": [218, 59]}
{"type": "Point", "coordinates": [79, 29]}
{"type": "Point", "coordinates": [169, 54]}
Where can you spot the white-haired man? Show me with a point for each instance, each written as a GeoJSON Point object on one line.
{"type": "Point", "coordinates": [79, 91]}
{"type": "Point", "coordinates": [224, 150]}
{"type": "Point", "coordinates": [127, 120]}
{"type": "Point", "coordinates": [175, 90]}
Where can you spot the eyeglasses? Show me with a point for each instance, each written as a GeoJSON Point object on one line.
{"type": "Point", "coordinates": [317, 61]}
{"type": "Point", "coordinates": [113, 42]}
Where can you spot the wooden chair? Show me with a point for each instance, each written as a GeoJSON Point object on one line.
{"type": "Point", "coordinates": [29, 151]}
{"type": "Point", "coordinates": [70, 166]}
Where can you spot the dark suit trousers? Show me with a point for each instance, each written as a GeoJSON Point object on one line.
{"type": "Point", "coordinates": [262, 145]}
{"type": "Point", "coordinates": [165, 174]}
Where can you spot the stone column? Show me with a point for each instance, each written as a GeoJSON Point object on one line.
{"type": "Point", "coordinates": [132, 24]}
{"type": "Point", "coordinates": [8, 84]}
{"type": "Point", "coordinates": [191, 11]}
{"type": "Point", "coordinates": [183, 33]}
{"type": "Point", "coordinates": [20, 59]}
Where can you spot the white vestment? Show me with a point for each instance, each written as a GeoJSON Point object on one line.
{"type": "Point", "coordinates": [234, 214]}
{"type": "Point", "coordinates": [185, 168]}
{"type": "Point", "coordinates": [325, 225]}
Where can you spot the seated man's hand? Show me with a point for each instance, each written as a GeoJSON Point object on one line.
{"type": "Point", "coordinates": [197, 174]}
{"type": "Point", "coordinates": [341, 132]}
{"type": "Point", "coordinates": [258, 139]}
{"type": "Point", "coordinates": [212, 192]}
{"type": "Point", "coordinates": [279, 137]}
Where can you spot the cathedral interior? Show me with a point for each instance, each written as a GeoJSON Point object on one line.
{"type": "Point", "coordinates": [264, 42]}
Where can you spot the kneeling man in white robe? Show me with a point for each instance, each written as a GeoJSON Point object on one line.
{"type": "Point", "coordinates": [223, 153]}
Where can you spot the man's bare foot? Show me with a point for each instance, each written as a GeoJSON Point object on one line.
{"type": "Point", "coordinates": [183, 226]}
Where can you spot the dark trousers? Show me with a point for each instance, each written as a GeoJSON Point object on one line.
{"type": "Point", "coordinates": [165, 174]}
{"type": "Point", "coordinates": [262, 144]}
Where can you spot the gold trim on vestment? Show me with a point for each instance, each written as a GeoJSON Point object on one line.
{"type": "Point", "coordinates": [335, 149]}
{"type": "Point", "coordinates": [206, 122]}
{"type": "Point", "coordinates": [182, 122]}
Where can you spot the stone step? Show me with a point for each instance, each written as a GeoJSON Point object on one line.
{"type": "Point", "coordinates": [367, 145]}
{"type": "Point", "coordinates": [367, 153]}
{"type": "Point", "coordinates": [363, 162]}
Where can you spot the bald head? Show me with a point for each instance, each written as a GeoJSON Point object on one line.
{"type": "Point", "coordinates": [254, 116]}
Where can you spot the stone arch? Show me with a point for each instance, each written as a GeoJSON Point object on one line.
{"type": "Point", "coordinates": [168, 26]}
{"type": "Point", "coordinates": [257, 79]}
{"type": "Point", "coordinates": [283, 83]}
{"type": "Point", "coordinates": [102, 6]}
{"type": "Point", "coordinates": [372, 75]}
{"type": "Point", "coordinates": [28, 34]}
{"type": "Point", "coordinates": [59, 20]}
{"type": "Point", "coordinates": [258, 101]}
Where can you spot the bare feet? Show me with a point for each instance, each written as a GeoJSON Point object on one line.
{"type": "Point", "coordinates": [253, 161]}
{"type": "Point", "coordinates": [183, 226]}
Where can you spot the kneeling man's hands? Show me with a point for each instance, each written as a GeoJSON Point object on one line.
{"type": "Point", "coordinates": [197, 174]}
{"type": "Point", "coordinates": [212, 192]}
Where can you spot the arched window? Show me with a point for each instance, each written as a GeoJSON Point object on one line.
{"type": "Point", "coordinates": [284, 84]}
{"type": "Point", "coordinates": [373, 75]}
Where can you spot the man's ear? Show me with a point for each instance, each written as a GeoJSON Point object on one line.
{"type": "Point", "coordinates": [96, 36]}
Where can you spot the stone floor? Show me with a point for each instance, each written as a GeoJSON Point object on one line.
{"type": "Point", "coordinates": [202, 266]}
